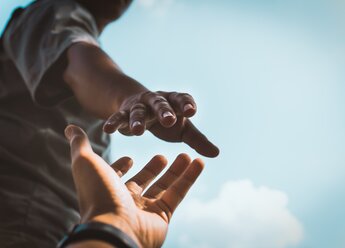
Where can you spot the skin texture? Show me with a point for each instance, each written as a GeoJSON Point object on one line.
{"type": "Point", "coordinates": [105, 91]}
{"type": "Point", "coordinates": [140, 211]}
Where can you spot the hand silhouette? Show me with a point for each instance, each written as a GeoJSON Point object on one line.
{"type": "Point", "coordinates": [103, 197]}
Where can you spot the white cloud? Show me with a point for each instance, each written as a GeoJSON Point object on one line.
{"type": "Point", "coordinates": [241, 216]}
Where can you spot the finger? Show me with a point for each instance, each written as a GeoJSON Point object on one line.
{"type": "Point", "coordinates": [91, 174]}
{"type": "Point", "coordinates": [122, 166]}
{"type": "Point", "coordinates": [183, 103]}
{"type": "Point", "coordinates": [160, 108]}
{"type": "Point", "coordinates": [174, 172]}
{"type": "Point", "coordinates": [79, 141]}
{"type": "Point", "coordinates": [178, 190]}
{"type": "Point", "coordinates": [137, 119]}
{"type": "Point", "coordinates": [140, 181]}
{"type": "Point", "coordinates": [195, 139]}
{"type": "Point", "coordinates": [116, 121]}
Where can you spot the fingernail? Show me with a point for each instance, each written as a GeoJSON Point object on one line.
{"type": "Point", "coordinates": [187, 107]}
{"type": "Point", "coordinates": [167, 114]}
{"type": "Point", "coordinates": [136, 123]}
{"type": "Point", "coordinates": [69, 132]}
{"type": "Point", "coordinates": [109, 123]}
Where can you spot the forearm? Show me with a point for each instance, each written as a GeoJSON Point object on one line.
{"type": "Point", "coordinates": [96, 81]}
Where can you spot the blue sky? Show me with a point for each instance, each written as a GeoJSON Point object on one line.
{"type": "Point", "coordinates": [268, 77]}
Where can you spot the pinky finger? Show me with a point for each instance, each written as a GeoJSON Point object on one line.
{"type": "Point", "coordinates": [115, 122]}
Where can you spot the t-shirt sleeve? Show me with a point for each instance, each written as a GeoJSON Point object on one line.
{"type": "Point", "coordinates": [37, 41]}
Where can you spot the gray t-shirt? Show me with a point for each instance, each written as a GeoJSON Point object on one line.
{"type": "Point", "coordinates": [37, 197]}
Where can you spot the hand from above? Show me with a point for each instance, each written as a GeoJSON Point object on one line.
{"type": "Point", "coordinates": [166, 115]}
{"type": "Point", "coordinates": [103, 197]}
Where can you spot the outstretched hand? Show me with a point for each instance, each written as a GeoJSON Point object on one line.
{"type": "Point", "coordinates": [142, 213]}
{"type": "Point", "coordinates": [166, 115]}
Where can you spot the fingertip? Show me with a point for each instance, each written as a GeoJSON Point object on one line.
{"type": "Point", "coordinates": [189, 110]}
{"type": "Point", "coordinates": [214, 152]}
{"type": "Point", "coordinates": [137, 128]}
{"type": "Point", "coordinates": [122, 165]}
{"type": "Point", "coordinates": [168, 119]}
{"type": "Point", "coordinates": [217, 152]}
{"type": "Point", "coordinates": [198, 164]}
{"type": "Point", "coordinates": [68, 132]}
{"type": "Point", "coordinates": [108, 128]}
{"type": "Point", "coordinates": [194, 169]}
{"type": "Point", "coordinates": [72, 130]}
{"type": "Point", "coordinates": [184, 157]}
{"type": "Point", "coordinates": [167, 114]}
{"type": "Point", "coordinates": [160, 159]}
{"type": "Point", "coordinates": [211, 151]}
{"type": "Point", "coordinates": [127, 160]}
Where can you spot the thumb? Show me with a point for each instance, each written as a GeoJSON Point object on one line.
{"type": "Point", "coordinates": [78, 140]}
{"type": "Point", "coordinates": [90, 172]}
{"type": "Point", "coordinates": [99, 188]}
{"type": "Point", "coordinates": [199, 142]}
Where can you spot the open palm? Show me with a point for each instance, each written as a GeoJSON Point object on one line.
{"type": "Point", "coordinates": [142, 213]}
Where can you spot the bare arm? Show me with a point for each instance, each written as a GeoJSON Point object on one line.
{"type": "Point", "coordinates": [98, 83]}
{"type": "Point", "coordinates": [105, 91]}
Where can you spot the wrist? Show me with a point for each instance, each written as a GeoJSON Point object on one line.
{"type": "Point", "coordinates": [91, 244]}
{"type": "Point", "coordinates": [117, 222]}
{"type": "Point", "coordinates": [97, 234]}
{"type": "Point", "coordinates": [130, 90]}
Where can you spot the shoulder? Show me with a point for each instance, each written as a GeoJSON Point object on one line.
{"type": "Point", "coordinates": [54, 15]}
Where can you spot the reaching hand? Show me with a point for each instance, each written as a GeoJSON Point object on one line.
{"type": "Point", "coordinates": [144, 216]}
{"type": "Point", "coordinates": [166, 115]}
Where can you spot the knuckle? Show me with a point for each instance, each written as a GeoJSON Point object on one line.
{"type": "Point", "coordinates": [162, 92]}
{"type": "Point", "coordinates": [146, 95]}
{"type": "Point", "coordinates": [162, 105]}
{"type": "Point", "coordinates": [185, 96]}
{"type": "Point", "coordinates": [178, 97]}
{"type": "Point", "coordinates": [119, 116]}
{"type": "Point", "coordinates": [157, 100]}
{"type": "Point", "coordinates": [173, 95]}
{"type": "Point", "coordinates": [138, 107]}
{"type": "Point", "coordinates": [122, 113]}
{"type": "Point", "coordinates": [136, 116]}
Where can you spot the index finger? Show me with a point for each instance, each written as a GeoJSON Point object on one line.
{"type": "Point", "coordinates": [116, 121]}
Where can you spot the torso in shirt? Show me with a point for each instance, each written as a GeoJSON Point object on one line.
{"type": "Point", "coordinates": [34, 154]}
